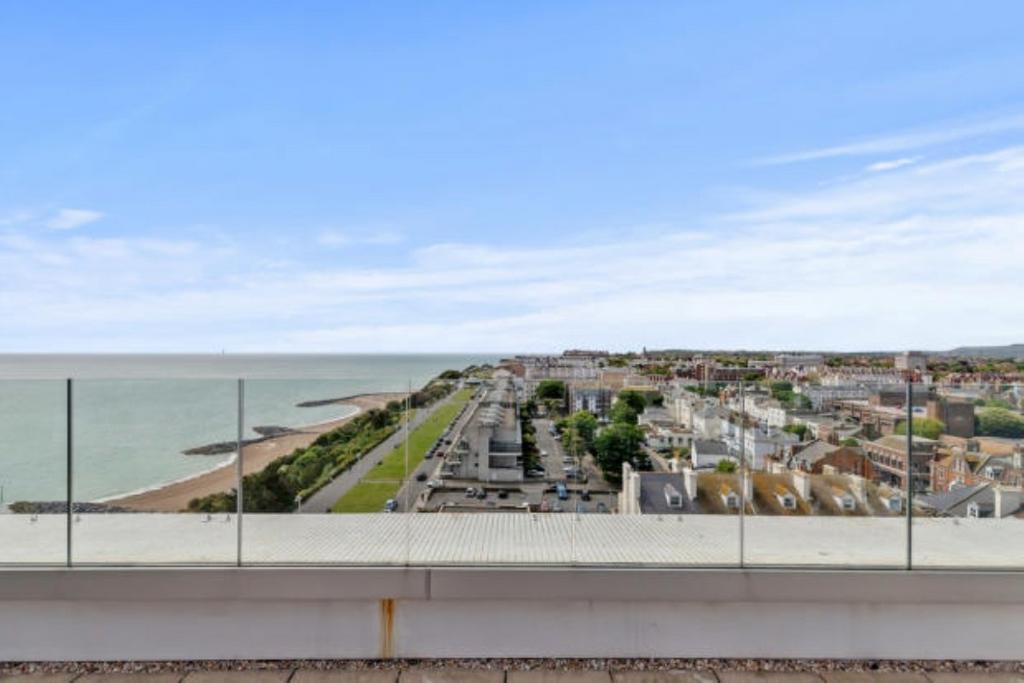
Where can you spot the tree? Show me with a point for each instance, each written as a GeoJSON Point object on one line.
{"type": "Point", "coordinates": [1000, 422]}
{"type": "Point", "coordinates": [926, 427]}
{"type": "Point", "coordinates": [623, 412]}
{"type": "Point", "coordinates": [616, 444]}
{"type": "Point", "coordinates": [800, 430]}
{"type": "Point", "coordinates": [726, 466]}
{"type": "Point", "coordinates": [450, 374]}
{"type": "Point", "coordinates": [551, 388]}
{"type": "Point", "coordinates": [849, 441]}
{"type": "Point", "coordinates": [583, 427]}
{"type": "Point", "coordinates": [634, 399]}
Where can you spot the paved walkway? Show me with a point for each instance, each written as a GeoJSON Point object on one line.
{"type": "Point", "coordinates": [322, 500]}
{"type": "Point", "coordinates": [499, 676]}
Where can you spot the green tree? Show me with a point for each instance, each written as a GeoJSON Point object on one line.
{"type": "Point", "coordinates": [623, 412]}
{"type": "Point", "coordinates": [616, 444]}
{"type": "Point", "coordinates": [926, 427]}
{"type": "Point", "coordinates": [726, 466]}
{"type": "Point", "coordinates": [1000, 422]}
{"type": "Point", "coordinates": [636, 400]}
{"type": "Point", "coordinates": [551, 388]}
{"type": "Point", "coordinates": [800, 430]}
{"type": "Point", "coordinates": [849, 441]}
{"type": "Point", "coordinates": [583, 426]}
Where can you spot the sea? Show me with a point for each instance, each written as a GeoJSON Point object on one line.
{"type": "Point", "coordinates": [133, 416]}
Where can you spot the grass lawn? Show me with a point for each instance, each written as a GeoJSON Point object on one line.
{"type": "Point", "coordinates": [383, 482]}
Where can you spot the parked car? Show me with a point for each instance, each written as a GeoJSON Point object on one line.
{"type": "Point", "coordinates": [433, 484]}
{"type": "Point", "coordinates": [391, 505]}
{"type": "Point", "coordinates": [535, 473]}
{"type": "Point", "coordinates": [503, 494]}
{"type": "Point", "coordinates": [585, 495]}
{"type": "Point", "coordinates": [481, 494]}
{"type": "Point", "coordinates": [563, 493]}
{"type": "Point", "coordinates": [470, 492]}
{"type": "Point", "coordinates": [601, 507]}
{"type": "Point", "coordinates": [422, 476]}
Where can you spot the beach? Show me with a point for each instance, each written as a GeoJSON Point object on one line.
{"type": "Point", "coordinates": [175, 496]}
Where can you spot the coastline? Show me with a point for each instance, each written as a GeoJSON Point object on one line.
{"type": "Point", "coordinates": [174, 496]}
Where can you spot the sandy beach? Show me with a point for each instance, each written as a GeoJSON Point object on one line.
{"type": "Point", "coordinates": [175, 496]}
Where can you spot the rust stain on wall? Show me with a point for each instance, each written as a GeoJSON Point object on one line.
{"type": "Point", "coordinates": [387, 627]}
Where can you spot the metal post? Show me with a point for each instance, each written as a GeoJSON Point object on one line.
{"type": "Point", "coordinates": [70, 470]}
{"type": "Point", "coordinates": [239, 471]}
{"type": "Point", "coordinates": [408, 418]}
{"type": "Point", "coordinates": [743, 468]}
{"type": "Point", "coordinates": [909, 471]}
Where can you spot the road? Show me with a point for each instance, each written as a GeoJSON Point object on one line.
{"type": "Point", "coordinates": [410, 491]}
{"type": "Point", "coordinates": [554, 467]}
{"type": "Point", "coordinates": [322, 500]}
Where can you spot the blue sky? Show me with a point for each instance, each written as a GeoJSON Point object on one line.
{"type": "Point", "coordinates": [510, 176]}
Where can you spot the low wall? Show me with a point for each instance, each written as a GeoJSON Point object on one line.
{"type": "Point", "coordinates": [276, 613]}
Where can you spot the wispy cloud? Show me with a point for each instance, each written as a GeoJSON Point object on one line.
{"type": "Point", "coordinates": [926, 254]}
{"type": "Point", "coordinates": [892, 164]}
{"type": "Point", "coordinates": [902, 142]}
{"type": "Point", "coordinates": [346, 238]}
{"type": "Point", "coordinates": [69, 219]}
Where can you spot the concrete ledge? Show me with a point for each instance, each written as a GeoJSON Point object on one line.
{"type": "Point", "coordinates": [322, 613]}
{"type": "Point", "coordinates": [504, 583]}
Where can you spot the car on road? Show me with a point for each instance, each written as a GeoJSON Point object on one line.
{"type": "Point", "coordinates": [601, 507]}
{"type": "Point", "coordinates": [422, 476]}
{"type": "Point", "coordinates": [543, 453]}
{"type": "Point", "coordinates": [535, 473]}
{"type": "Point", "coordinates": [391, 505]}
{"type": "Point", "coordinates": [585, 495]}
{"type": "Point", "coordinates": [503, 494]}
{"type": "Point", "coordinates": [481, 494]}
{"type": "Point", "coordinates": [563, 493]}
{"type": "Point", "coordinates": [433, 484]}
{"type": "Point", "coordinates": [470, 492]}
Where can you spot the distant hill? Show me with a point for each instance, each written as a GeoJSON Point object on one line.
{"type": "Point", "coordinates": [1010, 351]}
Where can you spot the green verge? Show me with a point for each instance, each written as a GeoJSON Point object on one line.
{"type": "Point", "coordinates": [384, 481]}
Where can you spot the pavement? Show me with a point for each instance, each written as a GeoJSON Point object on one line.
{"type": "Point", "coordinates": [455, 675]}
{"type": "Point", "coordinates": [322, 500]}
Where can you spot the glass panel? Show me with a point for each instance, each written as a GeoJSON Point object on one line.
{"type": "Point", "coordinates": [814, 490]}
{"type": "Point", "coordinates": [969, 446]}
{"type": "Point", "coordinates": [144, 450]}
{"type": "Point", "coordinates": [315, 445]}
{"type": "Point", "coordinates": [669, 509]}
{"type": "Point", "coordinates": [33, 472]}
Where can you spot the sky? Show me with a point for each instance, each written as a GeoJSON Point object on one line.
{"type": "Point", "coordinates": [510, 177]}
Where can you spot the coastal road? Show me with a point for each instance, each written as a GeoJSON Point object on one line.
{"type": "Point", "coordinates": [322, 500]}
{"type": "Point", "coordinates": [411, 490]}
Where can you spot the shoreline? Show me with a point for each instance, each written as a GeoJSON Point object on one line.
{"type": "Point", "coordinates": [174, 496]}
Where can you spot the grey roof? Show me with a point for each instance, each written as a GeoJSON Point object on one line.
{"type": "Point", "coordinates": [815, 451]}
{"type": "Point", "coordinates": [709, 447]}
{"type": "Point", "coordinates": [652, 493]}
{"type": "Point", "coordinates": [945, 501]}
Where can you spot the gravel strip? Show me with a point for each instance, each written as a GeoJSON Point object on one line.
{"type": "Point", "coordinates": [767, 665]}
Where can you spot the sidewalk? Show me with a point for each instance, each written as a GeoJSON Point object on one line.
{"type": "Point", "coordinates": [499, 676]}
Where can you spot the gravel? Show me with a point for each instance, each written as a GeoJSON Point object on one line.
{"type": "Point", "coordinates": [776, 665]}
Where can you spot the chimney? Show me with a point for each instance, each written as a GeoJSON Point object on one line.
{"type": "Point", "coordinates": [802, 484]}
{"type": "Point", "coordinates": [1008, 501]}
{"type": "Point", "coordinates": [690, 482]}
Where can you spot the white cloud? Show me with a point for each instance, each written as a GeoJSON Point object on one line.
{"type": "Point", "coordinates": [342, 238]}
{"type": "Point", "coordinates": [69, 219]}
{"type": "Point", "coordinates": [909, 140]}
{"type": "Point", "coordinates": [892, 164]}
{"type": "Point", "coordinates": [924, 255]}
